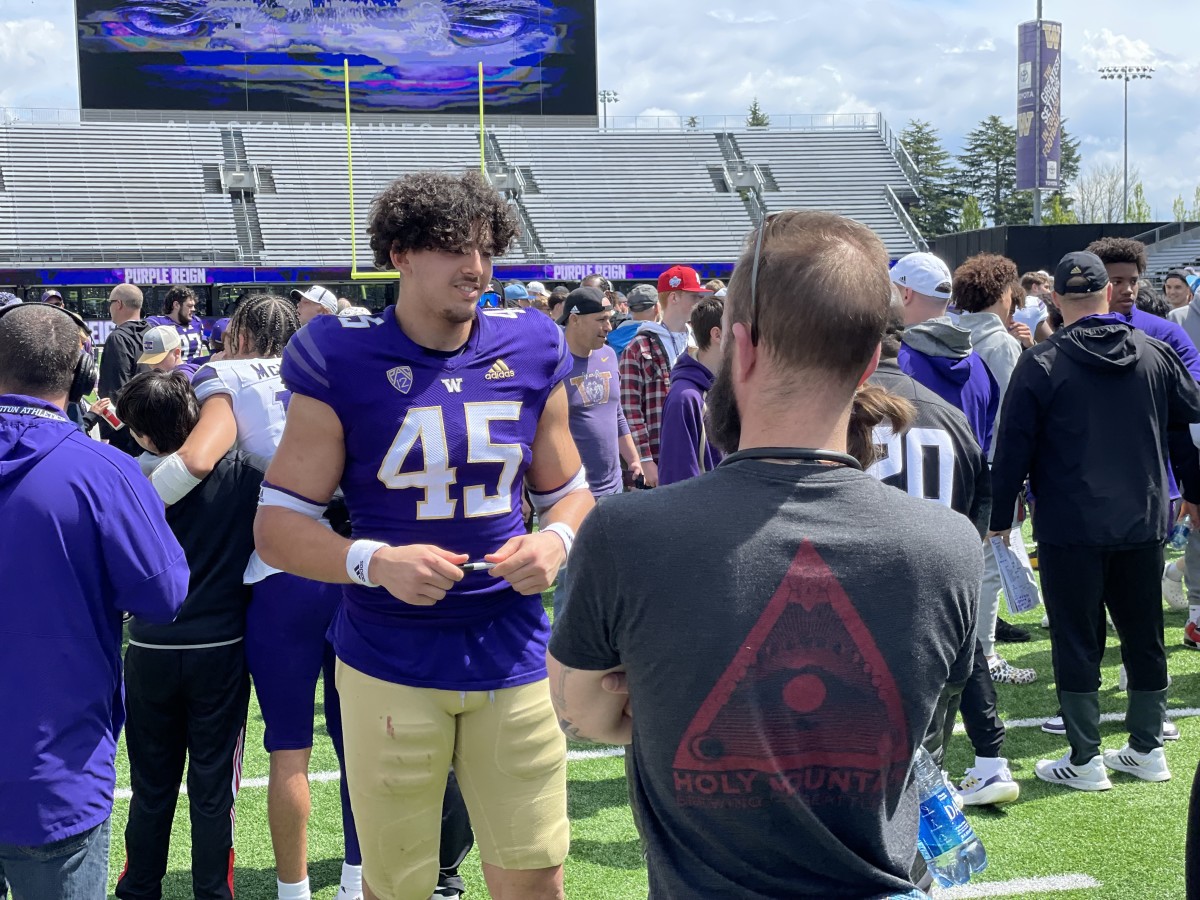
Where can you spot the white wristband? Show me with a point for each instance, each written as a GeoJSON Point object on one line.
{"type": "Point", "coordinates": [172, 480]}
{"type": "Point", "coordinates": [564, 531]}
{"type": "Point", "coordinates": [358, 561]}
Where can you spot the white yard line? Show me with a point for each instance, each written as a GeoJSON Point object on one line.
{"type": "Point", "coordinates": [1173, 714]}
{"type": "Point", "coordinates": [1018, 887]}
{"type": "Point", "coordinates": [609, 752]}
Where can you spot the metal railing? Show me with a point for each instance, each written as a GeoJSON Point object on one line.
{"type": "Point", "coordinates": [797, 122]}
{"type": "Point", "coordinates": [1162, 232]}
{"type": "Point", "coordinates": [900, 152]}
{"type": "Point", "coordinates": [906, 222]}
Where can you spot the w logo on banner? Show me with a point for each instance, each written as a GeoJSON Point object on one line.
{"type": "Point", "coordinates": [453, 385]}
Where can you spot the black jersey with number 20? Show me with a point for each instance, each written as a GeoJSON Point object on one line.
{"type": "Point", "coordinates": [938, 458]}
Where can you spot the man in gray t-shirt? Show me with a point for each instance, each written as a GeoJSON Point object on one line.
{"type": "Point", "coordinates": [783, 670]}
{"type": "Point", "coordinates": [785, 652]}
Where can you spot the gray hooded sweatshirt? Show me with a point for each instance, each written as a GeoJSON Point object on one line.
{"type": "Point", "coordinates": [998, 349]}
{"type": "Point", "coordinates": [1189, 317]}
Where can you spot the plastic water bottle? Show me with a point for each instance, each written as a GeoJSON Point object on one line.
{"type": "Point", "coordinates": [1180, 533]}
{"type": "Point", "coordinates": [946, 840]}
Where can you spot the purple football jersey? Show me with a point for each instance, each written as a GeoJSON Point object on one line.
{"type": "Point", "coordinates": [192, 336]}
{"type": "Point", "coordinates": [437, 446]}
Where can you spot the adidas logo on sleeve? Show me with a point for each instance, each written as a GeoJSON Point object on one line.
{"type": "Point", "coordinates": [499, 371]}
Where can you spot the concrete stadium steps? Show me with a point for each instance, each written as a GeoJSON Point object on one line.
{"type": "Point", "coordinates": [841, 171]}
{"type": "Point", "coordinates": [626, 195]}
{"type": "Point", "coordinates": [111, 192]}
{"type": "Point", "coordinates": [128, 193]}
{"type": "Point", "coordinates": [306, 222]}
{"type": "Point", "coordinates": [1173, 253]}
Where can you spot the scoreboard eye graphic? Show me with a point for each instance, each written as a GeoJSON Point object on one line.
{"type": "Point", "coordinates": [422, 56]}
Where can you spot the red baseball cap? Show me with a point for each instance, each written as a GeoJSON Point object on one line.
{"type": "Point", "coordinates": [681, 278]}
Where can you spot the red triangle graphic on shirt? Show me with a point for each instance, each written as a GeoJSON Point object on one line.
{"type": "Point", "coordinates": [808, 687]}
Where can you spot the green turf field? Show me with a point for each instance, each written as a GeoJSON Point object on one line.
{"type": "Point", "coordinates": [1129, 840]}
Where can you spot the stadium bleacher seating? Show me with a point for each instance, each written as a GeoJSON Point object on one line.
{"type": "Point", "coordinates": [1173, 251]}
{"type": "Point", "coordinates": [151, 192]}
{"type": "Point", "coordinates": [97, 192]}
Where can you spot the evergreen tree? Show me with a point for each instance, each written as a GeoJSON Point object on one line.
{"type": "Point", "coordinates": [1069, 164]}
{"type": "Point", "coordinates": [1179, 209]}
{"type": "Point", "coordinates": [756, 117]}
{"type": "Point", "coordinates": [937, 210]}
{"type": "Point", "coordinates": [987, 170]}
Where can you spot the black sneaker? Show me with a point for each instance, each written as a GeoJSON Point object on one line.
{"type": "Point", "coordinates": [1010, 634]}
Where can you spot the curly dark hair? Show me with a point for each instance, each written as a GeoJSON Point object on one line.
{"type": "Point", "coordinates": [439, 211]}
{"type": "Point", "coordinates": [176, 295]}
{"type": "Point", "coordinates": [1120, 250]}
{"type": "Point", "coordinates": [1151, 301]}
{"type": "Point", "coordinates": [264, 321]}
{"type": "Point", "coordinates": [982, 281]}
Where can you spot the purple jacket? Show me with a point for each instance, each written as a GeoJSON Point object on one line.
{"type": "Point", "coordinates": [1171, 334]}
{"type": "Point", "coordinates": [938, 354]}
{"type": "Point", "coordinates": [685, 450]}
{"type": "Point", "coordinates": [83, 537]}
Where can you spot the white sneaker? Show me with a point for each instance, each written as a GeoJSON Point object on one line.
{"type": "Point", "coordinates": [1090, 776]}
{"type": "Point", "coordinates": [1170, 730]}
{"type": "Point", "coordinates": [1172, 590]}
{"type": "Point", "coordinates": [1054, 725]}
{"type": "Point", "coordinates": [993, 790]}
{"type": "Point", "coordinates": [1150, 766]}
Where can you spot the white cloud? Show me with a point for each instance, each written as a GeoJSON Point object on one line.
{"type": "Point", "coordinates": [728, 17]}
{"type": "Point", "coordinates": [951, 62]}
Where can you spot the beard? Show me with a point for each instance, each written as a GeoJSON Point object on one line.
{"type": "Point", "coordinates": [724, 417]}
{"type": "Point", "coordinates": [459, 315]}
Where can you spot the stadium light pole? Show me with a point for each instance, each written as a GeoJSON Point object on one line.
{"type": "Point", "coordinates": [607, 97]}
{"type": "Point", "coordinates": [1126, 74]}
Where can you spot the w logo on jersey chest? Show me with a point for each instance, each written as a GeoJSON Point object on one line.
{"type": "Point", "coordinates": [453, 385]}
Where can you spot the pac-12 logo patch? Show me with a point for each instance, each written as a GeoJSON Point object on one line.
{"type": "Point", "coordinates": [400, 378]}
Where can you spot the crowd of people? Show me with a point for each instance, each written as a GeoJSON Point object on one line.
{"type": "Point", "coordinates": [820, 453]}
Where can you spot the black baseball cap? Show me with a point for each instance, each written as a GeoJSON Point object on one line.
{"type": "Point", "coordinates": [584, 301]}
{"type": "Point", "coordinates": [1080, 273]}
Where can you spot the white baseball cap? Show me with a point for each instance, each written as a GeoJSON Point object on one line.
{"type": "Point", "coordinates": [157, 342]}
{"type": "Point", "coordinates": [323, 297]}
{"type": "Point", "coordinates": [923, 273]}
{"type": "Point", "coordinates": [537, 289]}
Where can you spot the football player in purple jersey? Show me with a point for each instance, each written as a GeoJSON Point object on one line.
{"type": "Point", "coordinates": [179, 311]}
{"type": "Point", "coordinates": [430, 416]}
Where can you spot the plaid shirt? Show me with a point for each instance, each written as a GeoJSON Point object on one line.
{"type": "Point", "coordinates": [645, 378]}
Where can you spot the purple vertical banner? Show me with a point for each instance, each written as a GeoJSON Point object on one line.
{"type": "Point", "coordinates": [1039, 105]}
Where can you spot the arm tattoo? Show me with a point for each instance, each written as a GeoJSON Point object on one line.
{"type": "Point", "coordinates": [569, 729]}
{"type": "Point", "coordinates": [558, 691]}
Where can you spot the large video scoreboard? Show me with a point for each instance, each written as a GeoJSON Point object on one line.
{"type": "Point", "coordinates": [414, 56]}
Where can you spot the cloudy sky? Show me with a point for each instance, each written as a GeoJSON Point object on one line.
{"type": "Point", "coordinates": [950, 62]}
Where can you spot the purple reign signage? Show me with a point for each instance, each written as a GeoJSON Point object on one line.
{"type": "Point", "coordinates": [1039, 105]}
